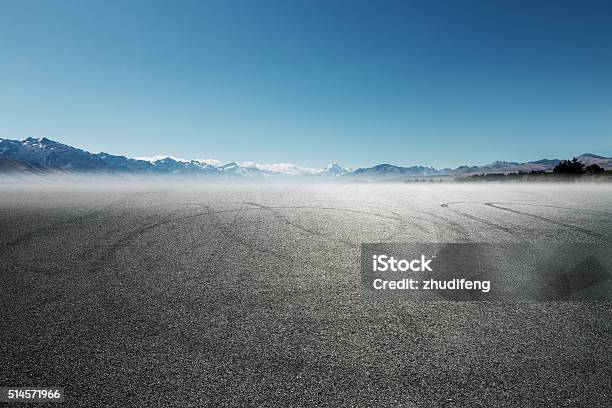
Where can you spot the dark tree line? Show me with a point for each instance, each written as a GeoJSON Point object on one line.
{"type": "Point", "coordinates": [566, 169]}
{"type": "Point", "coordinates": [575, 168]}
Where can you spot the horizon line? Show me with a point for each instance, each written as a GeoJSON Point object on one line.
{"type": "Point", "coordinates": [252, 163]}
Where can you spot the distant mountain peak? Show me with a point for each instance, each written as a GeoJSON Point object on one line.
{"type": "Point", "coordinates": [39, 140]}
{"type": "Point", "coordinates": [501, 164]}
{"type": "Point", "coordinates": [592, 156]}
{"type": "Point", "coordinates": [45, 154]}
{"type": "Point", "coordinates": [230, 165]}
{"type": "Point", "coordinates": [167, 159]}
{"type": "Point", "coordinates": [31, 140]}
{"type": "Point", "coordinates": [334, 169]}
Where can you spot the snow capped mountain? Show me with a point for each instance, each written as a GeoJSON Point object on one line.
{"type": "Point", "coordinates": [288, 169]}
{"type": "Point", "coordinates": [162, 163]}
{"type": "Point", "coordinates": [334, 170]}
{"type": "Point", "coordinates": [212, 162]}
{"type": "Point", "coordinates": [158, 157]}
{"type": "Point", "coordinates": [124, 163]}
{"type": "Point", "coordinates": [252, 169]}
{"type": "Point", "coordinates": [235, 169]}
{"type": "Point", "coordinates": [52, 154]}
{"type": "Point", "coordinates": [170, 165]}
{"type": "Point", "coordinates": [45, 155]}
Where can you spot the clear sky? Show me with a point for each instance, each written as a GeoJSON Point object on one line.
{"type": "Point", "coordinates": [439, 83]}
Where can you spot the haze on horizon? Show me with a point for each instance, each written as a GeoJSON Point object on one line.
{"type": "Point", "coordinates": [359, 83]}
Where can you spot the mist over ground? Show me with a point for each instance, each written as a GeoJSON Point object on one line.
{"type": "Point", "coordinates": [249, 294]}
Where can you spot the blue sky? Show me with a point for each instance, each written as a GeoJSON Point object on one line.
{"type": "Point", "coordinates": [439, 83]}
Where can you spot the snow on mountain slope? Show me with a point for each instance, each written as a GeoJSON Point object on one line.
{"type": "Point", "coordinates": [52, 154]}
{"type": "Point", "coordinates": [44, 154]}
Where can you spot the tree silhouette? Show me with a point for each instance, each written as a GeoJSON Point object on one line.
{"type": "Point", "coordinates": [569, 167]}
{"type": "Point", "coordinates": [593, 169]}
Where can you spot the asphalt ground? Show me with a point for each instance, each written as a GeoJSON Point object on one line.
{"type": "Point", "coordinates": [161, 295]}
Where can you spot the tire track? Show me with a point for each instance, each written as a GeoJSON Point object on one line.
{"type": "Point", "coordinates": [405, 226]}
{"type": "Point", "coordinates": [49, 228]}
{"type": "Point", "coordinates": [474, 218]}
{"type": "Point", "coordinates": [300, 227]}
{"type": "Point", "coordinates": [453, 225]}
{"type": "Point", "coordinates": [581, 210]}
{"type": "Point", "coordinates": [216, 254]}
{"type": "Point", "coordinates": [424, 228]}
{"type": "Point", "coordinates": [102, 260]}
{"type": "Point", "coordinates": [400, 219]}
{"type": "Point", "coordinates": [546, 219]}
{"type": "Point", "coordinates": [230, 235]}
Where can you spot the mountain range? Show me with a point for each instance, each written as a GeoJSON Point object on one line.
{"type": "Point", "coordinates": [42, 155]}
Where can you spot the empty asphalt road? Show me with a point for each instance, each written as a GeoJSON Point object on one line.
{"type": "Point", "coordinates": [160, 295]}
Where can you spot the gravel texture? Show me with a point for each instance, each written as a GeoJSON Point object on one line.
{"type": "Point", "coordinates": [249, 295]}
